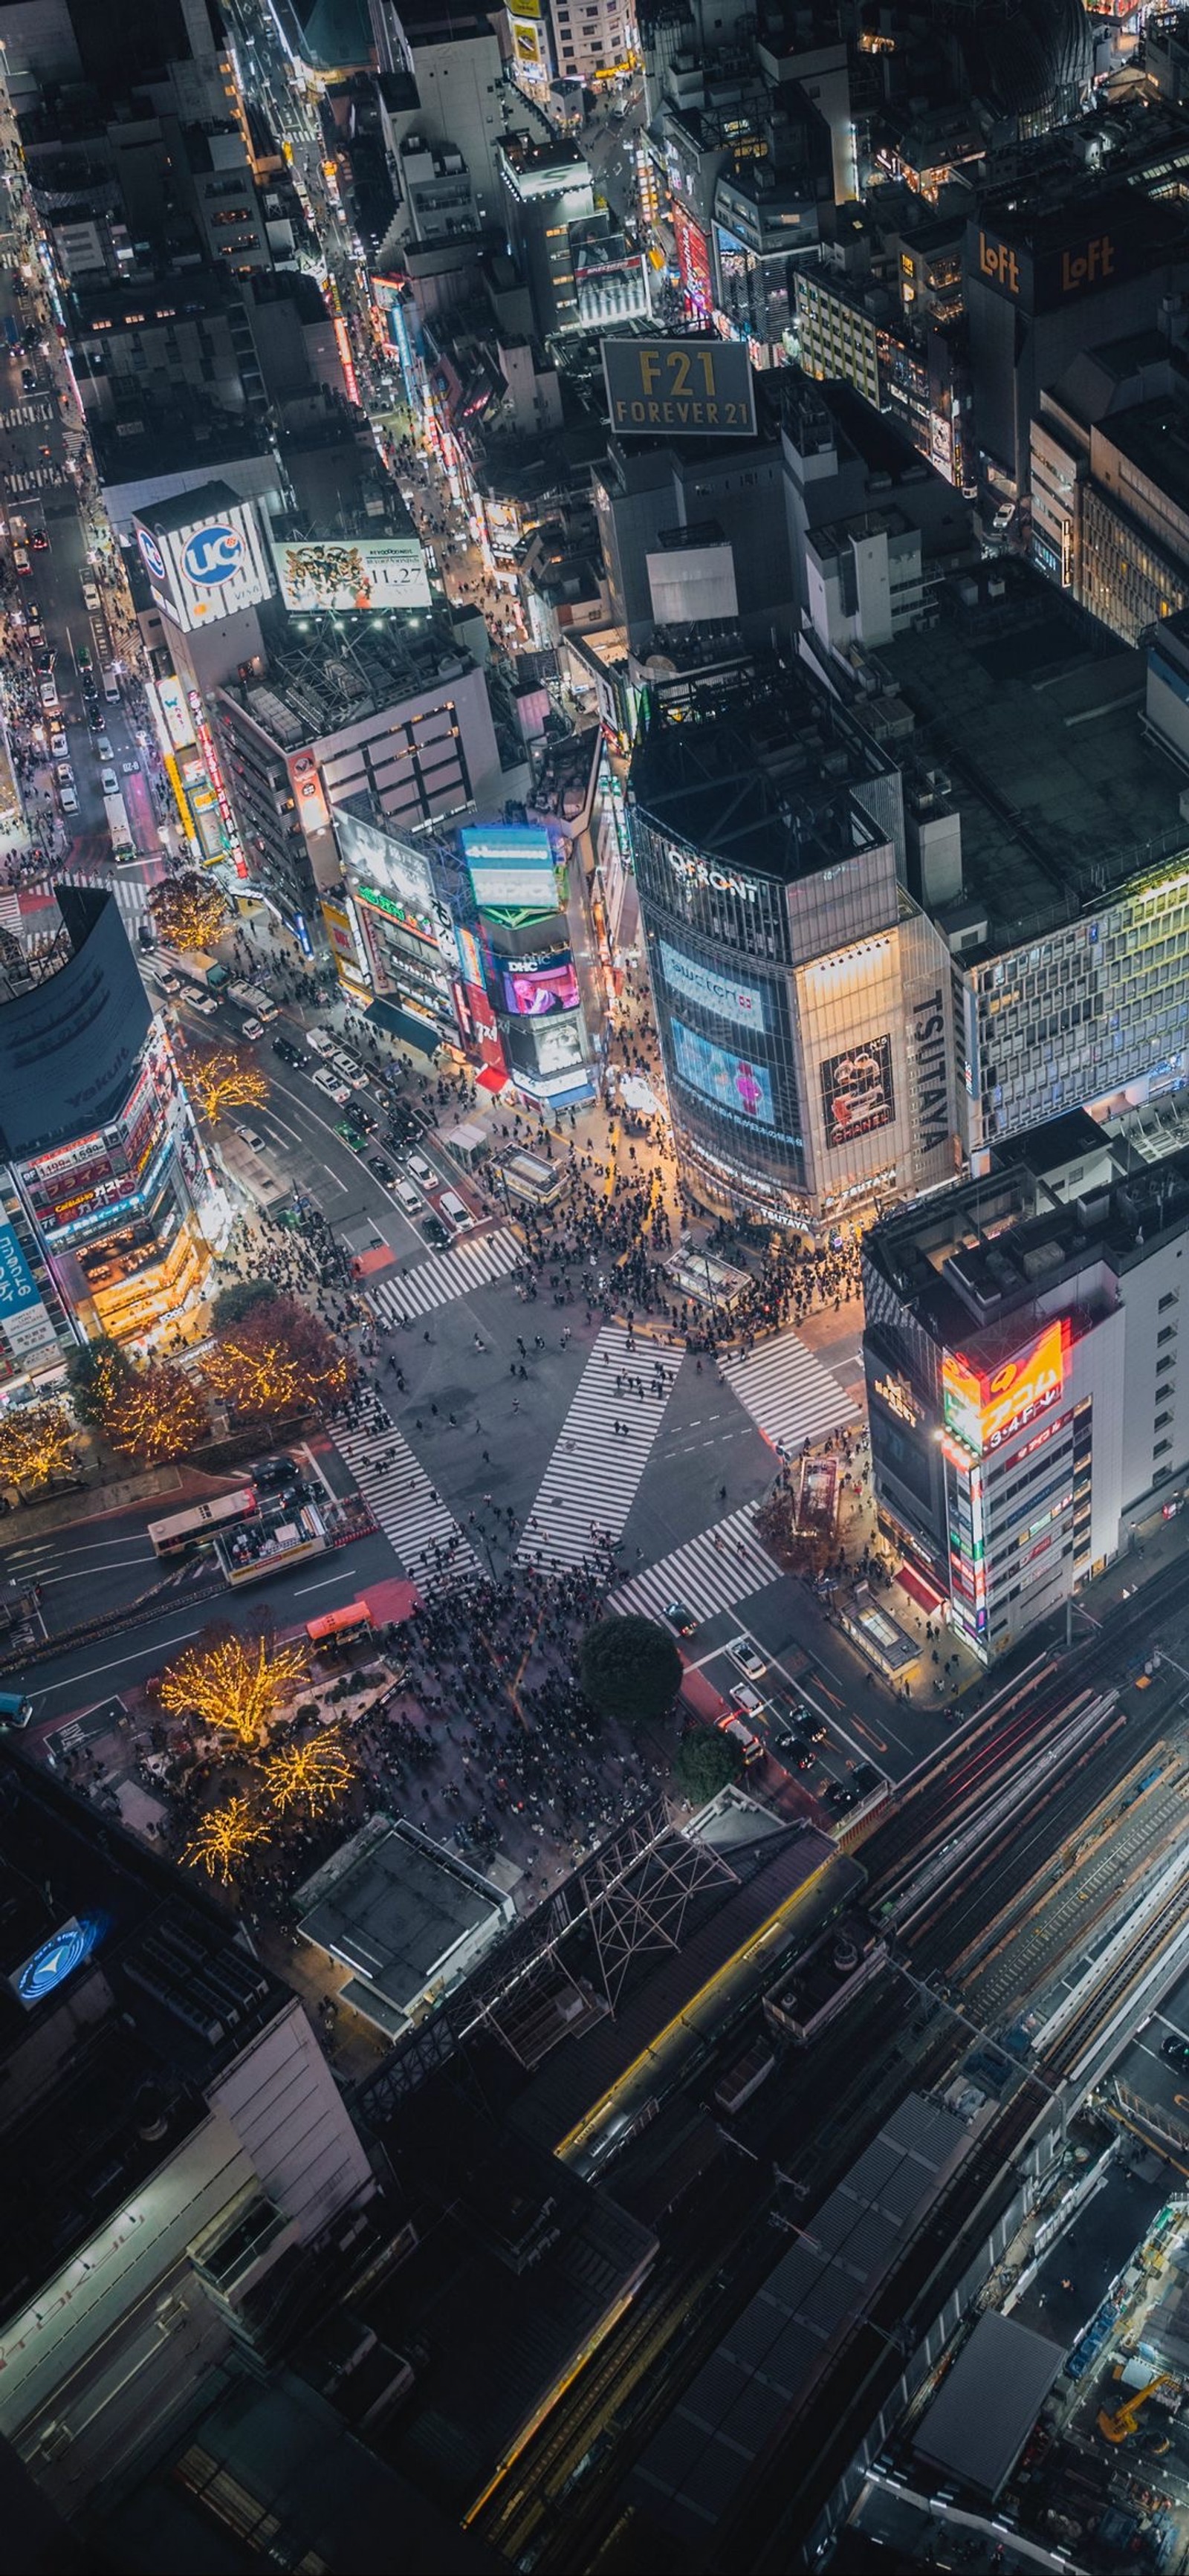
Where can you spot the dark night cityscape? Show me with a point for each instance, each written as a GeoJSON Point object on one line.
{"type": "Point", "coordinates": [594, 1168]}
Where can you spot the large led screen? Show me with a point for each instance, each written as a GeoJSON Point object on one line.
{"type": "Point", "coordinates": [730, 997]}
{"type": "Point", "coordinates": [857, 1095]}
{"type": "Point", "coordinates": [351, 572]}
{"type": "Point", "coordinates": [743, 1089]}
{"type": "Point", "coordinates": [534, 993]}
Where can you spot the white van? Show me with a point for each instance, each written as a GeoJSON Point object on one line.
{"type": "Point", "coordinates": [455, 1210]}
{"type": "Point", "coordinates": [111, 688]}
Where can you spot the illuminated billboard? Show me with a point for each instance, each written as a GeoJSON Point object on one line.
{"type": "Point", "coordinates": [534, 992]}
{"type": "Point", "coordinates": [394, 875]}
{"type": "Point", "coordinates": [680, 388]}
{"type": "Point", "coordinates": [351, 572]}
{"type": "Point", "coordinates": [857, 1095]}
{"type": "Point", "coordinates": [727, 996]}
{"type": "Point", "coordinates": [48, 1967]}
{"type": "Point", "coordinates": [984, 1407]}
{"type": "Point", "coordinates": [511, 868]}
{"type": "Point", "coordinates": [209, 568]}
{"type": "Point", "coordinates": [744, 1090]}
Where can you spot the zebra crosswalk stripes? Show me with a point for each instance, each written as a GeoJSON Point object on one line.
{"type": "Point", "coordinates": [791, 1398]}
{"type": "Point", "coordinates": [711, 1572]}
{"type": "Point", "coordinates": [419, 1527]}
{"type": "Point", "coordinates": [592, 1478]}
{"type": "Point", "coordinates": [130, 892]}
{"type": "Point", "coordinates": [22, 415]}
{"type": "Point", "coordinates": [446, 1274]}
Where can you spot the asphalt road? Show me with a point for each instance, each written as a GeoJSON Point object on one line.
{"type": "Point", "coordinates": [89, 1671]}
{"type": "Point", "coordinates": [41, 443]}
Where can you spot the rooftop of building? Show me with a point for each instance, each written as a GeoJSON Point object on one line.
{"type": "Point", "coordinates": [116, 304]}
{"type": "Point", "coordinates": [161, 439]}
{"type": "Point", "coordinates": [323, 673]}
{"type": "Point", "coordinates": [395, 1907]}
{"type": "Point", "coordinates": [1059, 1201]}
{"type": "Point", "coordinates": [755, 771]}
{"type": "Point", "coordinates": [1033, 714]}
{"type": "Point", "coordinates": [1154, 437]}
{"type": "Point", "coordinates": [123, 1993]}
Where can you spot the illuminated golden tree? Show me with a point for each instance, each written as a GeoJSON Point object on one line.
{"type": "Point", "coordinates": [309, 1776]}
{"type": "Point", "coordinates": [223, 1837]}
{"type": "Point", "coordinates": [155, 1413]}
{"type": "Point", "coordinates": [188, 910]}
{"type": "Point", "coordinates": [278, 1359]}
{"type": "Point", "coordinates": [235, 1683]}
{"type": "Point", "coordinates": [36, 1444]}
{"type": "Point", "coordinates": [222, 1078]}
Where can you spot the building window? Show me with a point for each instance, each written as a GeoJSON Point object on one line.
{"type": "Point", "coordinates": [1170, 1299]}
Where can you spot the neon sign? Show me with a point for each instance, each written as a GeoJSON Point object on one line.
{"type": "Point", "coordinates": [983, 1407]}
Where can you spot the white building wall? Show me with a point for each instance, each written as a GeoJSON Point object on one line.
{"type": "Point", "coordinates": [289, 2116]}
{"type": "Point", "coordinates": [1155, 1403]}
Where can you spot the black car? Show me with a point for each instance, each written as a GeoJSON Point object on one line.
{"type": "Point", "coordinates": [382, 1170]}
{"type": "Point", "coordinates": [43, 659]}
{"type": "Point", "coordinates": [288, 1053]}
{"type": "Point", "coordinates": [1175, 2052]}
{"type": "Point", "coordinates": [434, 1231]}
{"type": "Point", "coordinates": [363, 1119]}
{"type": "Point", "coordinates": [268, 1472]}
{"type": "Point", "coordinates": [680, 1618]}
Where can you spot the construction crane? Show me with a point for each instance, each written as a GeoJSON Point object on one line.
{"type": "Point", "coordinates": [1117, 2427]}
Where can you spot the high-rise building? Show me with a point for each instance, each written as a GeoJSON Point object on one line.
{"type": "Point", "coordinates": [105, 1174]}
{"type": "Point", "coordinates": [802, 999]}
{"type": "Point", "coordinates": [1021, 1343]}
{"type": "Point", "coordinates": [399, 715]}
{"type": "Point", "coordinates": [178, 2146]}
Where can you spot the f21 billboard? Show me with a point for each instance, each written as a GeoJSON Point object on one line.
{"type": "Point", "coordinates": [208, 569]}
{"type": "Point", "coordinates": [337, 573]}
{"type": "Point", "coordinates": [679, 388]}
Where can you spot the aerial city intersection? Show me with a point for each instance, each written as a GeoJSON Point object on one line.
{"type": "Point", "coordinates": [594, 1164]}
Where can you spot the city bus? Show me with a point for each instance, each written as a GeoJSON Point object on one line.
{"type": "Point", "coordinates": [189, 1529]}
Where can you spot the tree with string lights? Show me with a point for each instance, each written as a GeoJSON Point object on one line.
{"type": "Point", "coordinates": [188, 910]}
{"type": "Point", "coordinates": [234, 1683]}
{"type": "Point", "coordinates": [311, 1777]}
{"type": "Point", "coordinates": [223, 1078]}
{"type": "Point", "coordinates": [224, 1837]}
{"type": "Point", "coordinates": [278, 1360]}
{"type": "Point", "coordinates": [36, 1446]}
{"type": "Point", "coordinates": [155, 1413]}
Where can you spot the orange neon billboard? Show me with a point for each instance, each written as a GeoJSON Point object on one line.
{"type": "Point", "coordinates": [984, 1406]}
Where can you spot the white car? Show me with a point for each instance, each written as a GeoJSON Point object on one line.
{"type": "Point", "coordinates": [351, 1073]}
{"type": "Point", "coordinates": [421, 1171]}
{"type": "Point", "coordinates": [49, 696]}
{"type": "Point", "coordinates": [103, 747]}
{"type": "Point", "coordinates": [168, 983]}
{"type": "Point", "coordinates": [68, 799]}
{"type": "Point", "coordinates": [252, 1029]}
{"type": "Point", "coordinates": [63, 773]}
{"type": "Point", "coordinates": [90, 597]}
{"type": "Point", "coordinates": [406, 1195]}
{"type": "Point", "coordinates": [320, 1040]}
{"type": "Point", "coordinates": [109, 782]}
{"type": "Point", "coordinates": [749, 1744]}
{"type": "Point", "coordinates": [59, 746]}
{"type": "Point", "coordinates": [743, 1696]}
{"type": "Point", "coordinates": [335, 1090]}
{"type": "Point", "coordinates": [248, 1136]}
{"type": "Point", "coordinates": [204, 1002]}
{"type": "Point", "coordinates": [748, 1657]}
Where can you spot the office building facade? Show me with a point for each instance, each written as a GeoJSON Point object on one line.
{"type": "Point", "coordinates": [802, 1000]}
{"type": "Point", "coordinates": [1021, 1346]}
{"type": "Point", "coordinates": [105, 1173]}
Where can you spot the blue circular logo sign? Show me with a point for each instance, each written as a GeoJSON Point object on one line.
{"type": "Point", "coordinates": [152, 554]}
{"type": "Point", "coordinates": [212, 555]}
{"type": "Point", "coordinates": [52, 1963]}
